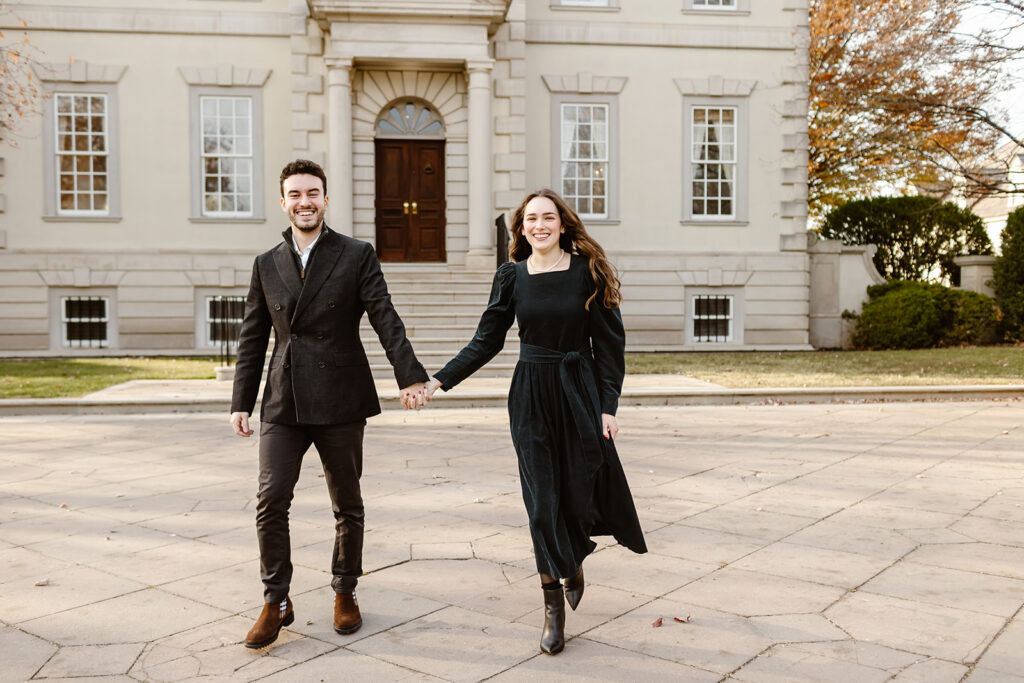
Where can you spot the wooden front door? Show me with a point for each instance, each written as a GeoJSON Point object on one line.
{"type": "Point", "coordinates": [410, 203]}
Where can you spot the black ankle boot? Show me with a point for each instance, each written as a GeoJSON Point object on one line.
{"type": "Point", "coordinates": [552, 639]}
{"type": "Point", "coordinates": [574, 589]}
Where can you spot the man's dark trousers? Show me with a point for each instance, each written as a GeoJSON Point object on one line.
{"type": "Point", "coordinates": [341, 453]}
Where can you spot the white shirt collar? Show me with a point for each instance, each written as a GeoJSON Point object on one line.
{"type": "Point", "coordinates": [304, 253]}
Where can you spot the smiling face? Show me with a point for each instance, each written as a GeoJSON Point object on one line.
{"type": "Point", "coordinates": [304, 201]}
{"type": "Point", "coordinates": [542, 225]}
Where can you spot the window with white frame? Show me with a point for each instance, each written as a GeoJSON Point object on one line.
{"type": "Point", "coordinates": [713, 160]}
{"type": "Point", "coordinates": [84, 321]}
{"type": "Point", "coordinates": [712, 318]}
{"type": "Point", "coordinates": [226, 154]}
{"type": "Point", "coordinates": [82, 153]}
{"type": "Point", "coordinates": [584, 158]}
{"type": "Point", "coordinates": [223, 319]}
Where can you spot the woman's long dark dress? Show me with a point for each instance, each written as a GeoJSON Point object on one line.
{"type": "Point", "coordinates": [573, 483]}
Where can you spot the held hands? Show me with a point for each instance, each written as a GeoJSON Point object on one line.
{"type": "Point", "coordinates": [413, 396]}
{"type": "Point", "coordinates": [240, 423]}
{"type": "Point", "coordinates": [609, 426]}
{"type": "Point", "coordinates": [419, 395]}
{"type": "Point", "coordinates": [430, 387]}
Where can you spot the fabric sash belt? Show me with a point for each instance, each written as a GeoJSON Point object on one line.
{"type": "Point", "coordinates": [581, 391]}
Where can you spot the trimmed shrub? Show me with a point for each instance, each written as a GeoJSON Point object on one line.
{"type": "Point", "coordinates": [917, 315]}
{"type": "Point", "coordinates": [917, 237]}
{"type": "Point", "coordinates": [1008, 276]}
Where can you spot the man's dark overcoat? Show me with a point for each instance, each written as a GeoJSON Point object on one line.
{"type": "Point", "coordinates": [318, 372]}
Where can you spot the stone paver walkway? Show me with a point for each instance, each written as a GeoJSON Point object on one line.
{"type": "Point", "coordinates": [860, 542]}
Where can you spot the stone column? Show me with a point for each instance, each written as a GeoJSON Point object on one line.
{"type": "Point", "coordinates": [481, 226]}
{"type": "Point", "coordinates": [976, 273]}
{"type": "Point", "coordinates": [339, 152]}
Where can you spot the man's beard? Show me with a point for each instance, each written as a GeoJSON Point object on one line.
{"type": "Point", "coordinates": [301, 225]}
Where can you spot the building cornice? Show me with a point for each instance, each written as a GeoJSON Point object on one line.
{"type": "Point", "coordinates": [715, 86]}
{"type": "Point", "coordinates": [79, 71]}
{"type": "Point", "coordinates": [377, 10]}
{"type": "Point", "coordinates": [149, 20]}
{"type": "Point", "coordinates": [585, 82]}
{"type": "Point", "coordinates": [660, 35]}
{"type": "Point", "coordinates": [225, 75]}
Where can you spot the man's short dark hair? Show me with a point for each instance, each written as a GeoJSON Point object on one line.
{"type": "Point", "coordinates": [303, 166]}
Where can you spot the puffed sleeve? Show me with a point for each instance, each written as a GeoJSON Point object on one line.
{"type": "Point", "coordinates": [608, 337]}
{"type": "Point", "coordinates": [490, 333]}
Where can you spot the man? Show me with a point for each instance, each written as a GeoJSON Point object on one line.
{"type": "Point", "coordinates": [312, 290]}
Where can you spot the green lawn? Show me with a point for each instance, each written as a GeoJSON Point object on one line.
{"type": "Point", "coordinates": [46, 378]}
{"type": "Point", "coordinates": [969, 365]}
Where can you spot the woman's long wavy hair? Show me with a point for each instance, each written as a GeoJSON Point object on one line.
{"type": "Point", "coordinates": [574, 240]}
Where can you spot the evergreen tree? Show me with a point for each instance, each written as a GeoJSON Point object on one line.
{"type": "Point", "coordinates": [1008, 276]}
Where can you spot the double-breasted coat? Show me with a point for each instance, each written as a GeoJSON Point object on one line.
{"type": "Point", "coordinates": [318, 372]}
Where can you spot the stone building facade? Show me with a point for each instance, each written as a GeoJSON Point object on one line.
{"type": "Point", "coordinates": [148, 183]}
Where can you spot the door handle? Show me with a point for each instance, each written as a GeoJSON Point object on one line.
{"type": "Point", "coordinates": [405, 207]}
{"type": "Point", "coordinates": [415, 209]}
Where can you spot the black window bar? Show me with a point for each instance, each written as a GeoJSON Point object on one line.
{"type": "Point", "coordinates": [85, 321]}
{"type": "Point", "coordinates": [711, 318]}
{"type": "Point", "coordinates": [224, 314]}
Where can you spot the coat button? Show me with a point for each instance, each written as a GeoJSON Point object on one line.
{"type": "Point", "coordinates": [284, 364]}
{"type": "Point", "coordinates": [295, 336]}
{"type": "Point", "coordinates": [323, 364]}
{"type": "Point", "coordinates": [277, 307]}
{"type": "Point", "coordinates": [330, 304]}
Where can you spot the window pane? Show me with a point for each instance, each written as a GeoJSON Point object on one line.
{"type": "Point", "coordinates": [81, 154]}
{"type": "Point", "coordinates": [226, 147]}
{"type": "Point", "coordinates": [713, 130]}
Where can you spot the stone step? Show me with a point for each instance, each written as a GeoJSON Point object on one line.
{"type": "Point", "coordinates": [427, 330]}
{"type": "Point", "coordinates": [481, 288]}
{"type": "Point", "coordinates": [477, 296]}
{"type": "Point", "coordinates": [443, 308]}
{"type": "Point", "coordinates": [437, 357]}
{"type": "Point", "coordinates": [395, 275]}
{"type": "Point", "coordinates": [496, 368]}
{"type": "Point", "coordinates": [436, 345]}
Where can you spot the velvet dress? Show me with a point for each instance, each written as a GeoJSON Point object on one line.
{"type": "Point", "coordinates": [570, 371]}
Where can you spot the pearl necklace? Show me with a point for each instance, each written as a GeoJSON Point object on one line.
{"type": "Point", "coordinates": [549, 268]}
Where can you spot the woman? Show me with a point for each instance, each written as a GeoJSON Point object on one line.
{"type": "Point", "coordinates": [562, 400]}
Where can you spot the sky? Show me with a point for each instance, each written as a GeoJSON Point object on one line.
{"type": "Point", "coordinates": [1012, 100]}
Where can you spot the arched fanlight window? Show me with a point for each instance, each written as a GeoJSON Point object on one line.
{"type": "Point", "coordinates": [409, 119]}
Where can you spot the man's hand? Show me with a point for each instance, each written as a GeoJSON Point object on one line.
{"type": "Point", "coordinates": [609, 426]}
{"type": "Point", "coordinates": [413, 396]}
{"type": "Point", "coordinates": [240, 423]}
{"type": "Point", "coordinates": [430, 387]}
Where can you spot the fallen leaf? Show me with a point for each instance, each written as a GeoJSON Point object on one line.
{"type": "Point", "coordinates": [683, 621]}
{"type": "Point", "coordinates": [63, 506]}
{"type": "Point", "coordinates": [657, 623]}
{"type": "Point", "coordinates": [44, 582]}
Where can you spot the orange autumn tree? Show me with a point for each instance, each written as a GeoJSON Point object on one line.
{"type": "Point", "coordinates": [899, 94]}
{"type": "Point", "coordinates": [19, 89]}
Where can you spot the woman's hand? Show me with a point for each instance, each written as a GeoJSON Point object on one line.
{"type": "Point", "coordinates": [609, 426]}
{"type": "Point", "coordinates": [430, 387]}
{"type": "Point", "coordinates": [412, 396]}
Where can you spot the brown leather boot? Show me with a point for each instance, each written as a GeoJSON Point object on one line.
{"type": "Point", "coordinates": [346, 613]}
{"type": "Point", "coordinates": [269, 624]}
